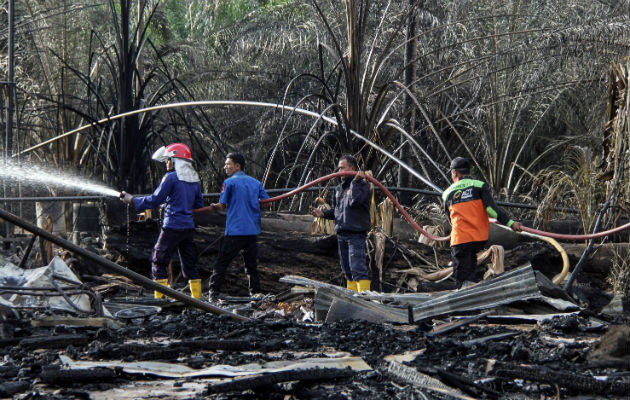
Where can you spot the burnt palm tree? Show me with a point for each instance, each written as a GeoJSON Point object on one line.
{"type": "Point", "coordinates": [500, 82]}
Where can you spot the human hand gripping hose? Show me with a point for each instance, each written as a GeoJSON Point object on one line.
{"type": "Point", "coordinates": [415, 225]}
{"type": "Point", "coordinates": [371, 179]}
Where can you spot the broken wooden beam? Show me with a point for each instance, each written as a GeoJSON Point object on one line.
{"type": "Point", "coordinates": [452, 325]}
{"type": "Point", "coordinates": [94, 322]}
{"type": "Point", "coordinates": [265, 379]}
{"type": "Point", "coordinates": [467, 385]}
{"type": "Point", "coordinates": [8, 389]}
{"type": "Point", "coordinates": [69, 377]}
{"type": "Point", "coordinates": [576, 383]}
{"type": "Point", "coordinates": [53, 342]}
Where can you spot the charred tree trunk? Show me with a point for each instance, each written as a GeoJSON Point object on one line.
{"type": "Point", "coordinates": [410, 120]}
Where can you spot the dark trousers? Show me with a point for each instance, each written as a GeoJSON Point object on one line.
{"type": "Point", "coordinates": [465, 260]}
{"type": "Point", "coordinates": [169, 241]}
{"type": "Point", "coordinates": [230, 247]}
{"type": "Point", "coordinates": [352, 255]}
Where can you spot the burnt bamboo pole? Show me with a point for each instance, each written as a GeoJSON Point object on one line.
{"type": "Point", "coordinates": [111, 266]}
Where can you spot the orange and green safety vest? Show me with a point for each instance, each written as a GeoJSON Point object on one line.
{"type": "Point", "coordinates": [468, 203]}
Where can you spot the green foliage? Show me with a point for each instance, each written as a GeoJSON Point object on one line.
{"type": "Point", "coordinates": [175, 13]}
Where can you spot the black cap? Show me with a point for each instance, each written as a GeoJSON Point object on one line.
{"type": "Point", "coordinates": [460, 163]}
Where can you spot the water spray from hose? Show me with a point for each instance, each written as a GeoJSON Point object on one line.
{"type": "Point", "coordinates": [35, 174]}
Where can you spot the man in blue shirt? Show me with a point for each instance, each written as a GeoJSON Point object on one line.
{"type": "Point", "coordinates": [240, 195]}
{"type": "Point", "coordinates": [180, 191]}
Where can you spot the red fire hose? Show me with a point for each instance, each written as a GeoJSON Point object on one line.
{"type": "Point", "coordinates": [415, 225]}
{"type": "Point", "coordinates": [577, 237]}
{"type": "Point", "coordinates": [350, 173]}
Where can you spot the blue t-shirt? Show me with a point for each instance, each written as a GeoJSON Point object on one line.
{"type": "Point", "coordinates": [180, 198]}
{"type": "Point", "coordinates": [240, 194]}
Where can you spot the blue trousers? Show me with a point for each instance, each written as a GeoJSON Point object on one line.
{"type": "Point", "coordinates": [352, 255]}
{"type": "Point", "coordinates": [169, 241]}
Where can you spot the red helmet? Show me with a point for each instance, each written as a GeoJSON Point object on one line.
{"type": "Point", "coordinates": [179, 150]}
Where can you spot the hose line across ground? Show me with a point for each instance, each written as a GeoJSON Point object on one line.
{"type": "Point", "coordinates": [415, 225]}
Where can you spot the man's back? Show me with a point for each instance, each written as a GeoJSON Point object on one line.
{"type": "Point", "coordinates": [463, 202]}
{"type": "Point", "coordinates": [241, 194]}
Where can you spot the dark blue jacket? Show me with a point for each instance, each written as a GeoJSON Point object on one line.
{"type": "Point", "coordinates": [350, 206]}
{"type": "Point", "coordinates": [181, 199]}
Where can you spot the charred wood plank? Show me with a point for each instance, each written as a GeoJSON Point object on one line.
{"type": "Point", "coordinates": [27, 252]}
{"type": "Point", "coordinates": [450, 326]}
{"type": "Point", "coordinates": [6, 342]}
{"type": "Point", "coordinates": [8, 371]}
{"type": "Point", "coordinates": [499, 336]}
{"type": "Point", "coordinates": [144, 352]}
{"type": "Point", "coordinates": [53, 342]}
{"type": "Point", "coordinates": [467, 385]}
{"type": "Point", "coordinates": [8, 389]}
{"type": "Point", "coordinates": [69, 377]}
{"type": "Point", "coordinates": [221, 344]}
{"type": "Point", "coordinates": [266, 379]}
{"type": "Point", "coordinates": [229, 344]}
{"type": "Point", "coordinates": [574, 382]}
{"type": "Point", "coordinates": [611, 363]}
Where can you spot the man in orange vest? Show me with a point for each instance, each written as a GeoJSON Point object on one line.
{"type": "Point", "coordinates": [468, 203]}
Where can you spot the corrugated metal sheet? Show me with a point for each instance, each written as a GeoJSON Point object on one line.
{"type": "Point", "coordinates": [516, 285]}
{"type": "Point", "coordinates": [520, 284]}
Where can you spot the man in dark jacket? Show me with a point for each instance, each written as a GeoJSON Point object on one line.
{"type": "Point", "coordinates": [180, 192]}
{"type": "Point", "coordinates": [351, 212]}
{"type": "Point", "coordinates": [468, 203]}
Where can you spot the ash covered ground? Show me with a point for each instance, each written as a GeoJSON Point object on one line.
{"type": "Point", "coordinates": [585, 354]}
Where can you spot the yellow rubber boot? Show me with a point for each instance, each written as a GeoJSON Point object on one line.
{"type": "Point", "coordinates": [352, 285]}
{"type": "Point", "coordinates": [157, 294]}
{"type": "Point", "coordinates": [363, 285]}
{"type": "Point", "coordinates": [195, 288]}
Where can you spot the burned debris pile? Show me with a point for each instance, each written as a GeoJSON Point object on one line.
{"type": "Point", "coordinates": [514, 335]}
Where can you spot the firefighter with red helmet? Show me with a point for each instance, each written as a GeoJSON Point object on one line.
{"type": "Point", "coordinates": [180, 192]}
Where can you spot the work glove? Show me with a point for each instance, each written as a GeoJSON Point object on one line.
{"type": "Point", "coordinates": [126, 198]}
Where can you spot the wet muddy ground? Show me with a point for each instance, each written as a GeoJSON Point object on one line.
{"type": "Point", "coordinates": [581, 355]}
